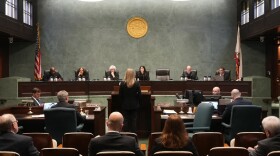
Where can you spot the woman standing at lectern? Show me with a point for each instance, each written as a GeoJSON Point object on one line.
{"type": "Point", "coordinates": [130, 95]}
{"type": "Point", "coordinates": [142, 74]}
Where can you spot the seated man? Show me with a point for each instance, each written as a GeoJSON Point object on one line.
{"type": "Point", "coordinates": [237, 100]}
{"type": "Point", "coordinates": [222, 75]}
{"type": "Point", "coordinates": [63, 98]}
{"type": "Point", "coordinates": [112, 73]}
{"type": "Point", "coordinates": [271, 127]}
{"type": "Point", "coordinates": [189, 74]}
{"type": "Point", "coordinates": [216, 91]}
{"type": "Point", "coordinates": [52, 75]}
{"type": "Point", "coordinates": [36, 93]}
{"type": "Point", "coordinates": [10, 141]}
{"type": "Point", "coordinates": [113, 140]}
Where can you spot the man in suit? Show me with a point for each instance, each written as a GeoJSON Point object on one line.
{"type": "Point", "coordinates": [10, 141]}
{"type": "Point", "coordinates": [36, 93]}
{"type": "Point", "coordinates": [63, 98]}
{"type": "Point", "coordinates": [271, 127]}
{"type": "Point", "coordinates": [237, 100]}
{"type": "Point", "coordinates": [52, 75]}
{"type": "Point", "coordinates": [216, 91]}
{"type": "Point", "coordinates": [113, 140]}
{"type": "Point", "coordinates": [189, 74]}
{"type": "Point", "coordinates": [222, 75]}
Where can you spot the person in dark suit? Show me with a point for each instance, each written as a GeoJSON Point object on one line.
{"type": "Point", "coordinates": [112, 73]}
{"type": "Point", "coordinates": [216, 90]}
{"type": "Point", "coordinates": [221, 75]}
{"type": "Point", "coordinates": [81, 75]}
{"type": "Point", "coordinates": [188, 74]}
{"type": "Point", "coordinates": [36, 94]}
{"type": "Point", "coordinates": [142, 74]}
{"type": "Point", "coordinates": [271, 127]}
{"type": "Point", "coordinates": [174, 137]}
{"type": "Point", "coordinates": [10, 141]}
{"type": "Point", "coordinates": [130, 94]}
{"type": "Point", "coordinates": [52, 75]}
{"type": "Point", "coordinates": [237, 100]}
{"type": "Point", "coordinates": [113, 140]}
{"type": "Point", "coordinates": [63, 98]}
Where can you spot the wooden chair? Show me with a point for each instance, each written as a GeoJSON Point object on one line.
{"type": "Point", "coordinates": [248, 139]}
{"type": "Point", "coordinates": [151, 141]}
{"type": "Point", "coordinates": [41, 140]}
{"type": "Point", "coordinates": [173, 153]}
{"type": "Point", "coordinates": [204, 141]}
{"type": "Point", "coordinates": [274, 153]}
{"type": "Point", "coordinates": [77, 140]}
{"type": "Point", "coordinates": [228, 151]}
{"type": "Point", "coordinates": [59, 152]}
{"type": "Point", "coordinates": [116, 153]}
{"type": "Point", "coordinates": [8, 153]}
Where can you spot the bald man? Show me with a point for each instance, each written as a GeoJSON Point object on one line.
{"type": "Point", "coordinates": [52, 75]}
{"type": "Point", "coordinates": [189, 74]}
{"type": "Point", "coordinates": [10, 141]}
{"type": "Point", "coordinates": [216, 91]}
{"type": "Point", "coordinates": [113, 140]}
{"type": "Point", "coordinates": [237, 100]}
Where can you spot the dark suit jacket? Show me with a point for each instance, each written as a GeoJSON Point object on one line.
{"type": "Point", "coordinates": [227, 112]}
{"type": "Point", "coordinates": [130, 97]}
{"type": "Point", "coordinates": [267, 145]}
{"type": "Point", "coordinates": [48, 75]}
{"type": "Point", "coordinates": [21, 144]}
{"type": "Point", "coordinates": [158, 146]}
{"type": "Point", "coordinates": [109, 75]}
{"type": "Point", "coordinates": [85, 75]}
{"type": "Point", "coordinates": [192, 75]}
{"type": "Point", "coordinates": [80, 118]}
{"type": "Point", "coordinates": [113, 141]}
{"type": "Point", "coordinates": [144, 76]}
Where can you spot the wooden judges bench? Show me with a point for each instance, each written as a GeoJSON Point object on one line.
{"type": "Point", "coordinates": [76, 88]}
{"type": "Point", "coordinates": [95, 121]}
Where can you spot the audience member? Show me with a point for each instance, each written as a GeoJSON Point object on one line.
{"type": "Point", "coordinates": [113, 140]}
{"type": "Point", "coordinates": [63, 98]}
{"type": "Point", "coordinates": [142, 74]}
{"type": "Point", "coordinates": [237, 100]}
{"type": "Point", "coordinates": [221, 75]}
{"type": "Point", "coordinates": [10, 141]}
{"type": "Point", "coordinates": [216, 91]}
{"type": "Point", "coordinates": [112, 74]}
{"type": "Point", "coordinates": [174, 137]}
{"type": "Point", "coordinates": [52, 75]}
{"type": "Point", "coordinates": [81, 75]}
{"type": "Point", "coordinates": [189, 74]}
{"type": "Point", "coordinates": [271, 127]}
{"type": "Point", "coordinates": [36, 93]}
{"type": "Point", "coordinates": [130, 94]}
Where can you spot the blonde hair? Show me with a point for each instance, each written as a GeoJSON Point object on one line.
{"type": "Point", "coordinates": [129, 77]}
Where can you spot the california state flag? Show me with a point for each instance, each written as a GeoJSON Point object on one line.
{"type": "Point", "coordinates": [238, 57]}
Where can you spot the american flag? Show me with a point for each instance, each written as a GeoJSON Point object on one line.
{"type": "Point", "coordinates": [37, 63]}
{"type": "Point", "coordinates": [238, 57]}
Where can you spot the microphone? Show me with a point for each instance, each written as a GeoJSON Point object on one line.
{"type": "Point", "coordinates": [178, 96]}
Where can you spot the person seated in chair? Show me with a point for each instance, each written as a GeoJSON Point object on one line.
{"type": "Point", "coordinates": [216, 91]}
{"type": "Point", "coordinates": [11, 141]}
{"type": "Point", "coordinates": [189, 74]}
{"type": "Point", "coordinates": [63, 98]}
{"type": "Point", "coordinates": [237, 100]}
{"type": "Point", "coordinates": [52, 75]}
{"type": "Point", "coordinates": [112, 73]}
{"type": "Point", "coordinates": [221, 75]}
{"type": "Point", "coordinates": [81, 75]}
{"type": "Point", "coordinates": [174, 137]}
{"type": "Point", "coordinates": [271, 127]}
{"type": "Point", "coordinates": [113, 140]}
{"type": "Point", "coordinates": [142, 74]}
{"type": "Point", "coordinates": [36, 93]}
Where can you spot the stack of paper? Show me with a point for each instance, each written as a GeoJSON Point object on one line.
{"type": "Point", "coordinates": [167, 111]}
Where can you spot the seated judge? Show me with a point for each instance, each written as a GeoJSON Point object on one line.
{"type": "Point", "coordinates": [113, 140]}
{"type": "Point", "coordinates": [63, 99]}
{"type": "Point", "coordinates": [222, 75]}
{"type": "Point", "coordinates": [112, 73]}
{"type": "Point", "coordinates": [52, 75]}
{"type": "Point", "coordinates": [142, 74]}
{"type": "Point", "coordinates": [81, 75]}
{"type": "Point", "coordinates": [189, 74]}
{"type": "Point", "coordinates": [36, 94]}
{"type": "Point", "coordinates": [11, 141]}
